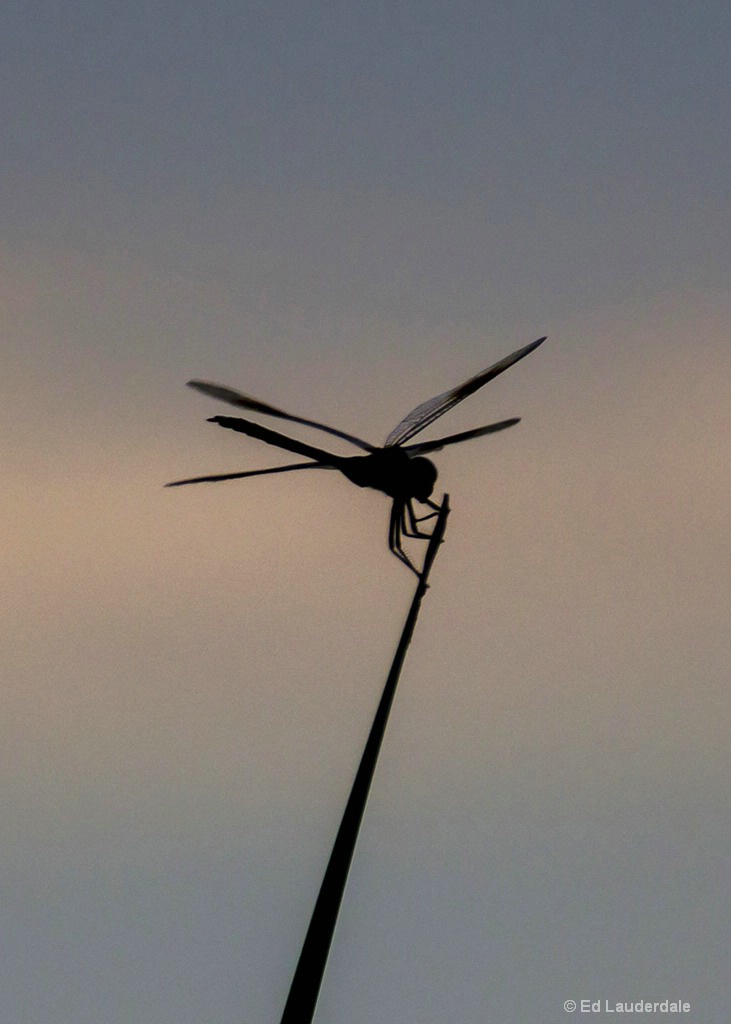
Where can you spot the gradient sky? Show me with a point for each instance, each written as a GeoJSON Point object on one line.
{"type": "Point", "coordinates": [345, 208]}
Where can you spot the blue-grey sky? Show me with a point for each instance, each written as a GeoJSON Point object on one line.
{"type": "Point", "coordinates": [344, 209]}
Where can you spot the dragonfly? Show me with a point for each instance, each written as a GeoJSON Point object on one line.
{"type": "Point", "coordinates": [397, 469]}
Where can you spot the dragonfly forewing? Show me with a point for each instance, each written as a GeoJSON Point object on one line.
{"type": "Point", "coordinates": [431, 410]}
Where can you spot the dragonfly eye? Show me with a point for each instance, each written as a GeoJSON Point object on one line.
{"type": "Point", "coordinates": [423, 477]}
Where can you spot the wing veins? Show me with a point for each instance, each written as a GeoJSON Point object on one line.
{"type": "Point", "coordinates": [428, 411]}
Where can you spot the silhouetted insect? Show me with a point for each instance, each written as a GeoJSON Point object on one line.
{"type": "Point", "coordinates": [397, 469]}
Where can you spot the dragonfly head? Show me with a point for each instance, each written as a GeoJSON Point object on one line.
{"type": "Point", "coordinates": [422, 477]}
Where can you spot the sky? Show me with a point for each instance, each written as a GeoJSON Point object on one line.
{"type": "Point", "coordinates": [344, 209]}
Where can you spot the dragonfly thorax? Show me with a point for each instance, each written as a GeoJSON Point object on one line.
{"type": "Point", "coordinates": [423, 476]}
{"type": "Point", "coordinates": [392, 471]}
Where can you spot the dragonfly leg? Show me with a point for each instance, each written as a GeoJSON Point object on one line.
{"type": "Point", "coordinates": [395, 530]}
{"type": "Point", "coordinates": [410, 521]}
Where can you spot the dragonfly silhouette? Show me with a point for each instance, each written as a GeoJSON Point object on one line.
{"type": "Point", "coordinates": [397, 469]}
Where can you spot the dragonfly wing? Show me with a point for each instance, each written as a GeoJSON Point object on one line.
{"type": "Point", "coordinates": [249, 472]}
{"type": "Point", "coordinates": [426, 413]}
{"type": "Point", "coordinates": [234, 397]}
{"type": "Point", "coordinates": [435, 446]}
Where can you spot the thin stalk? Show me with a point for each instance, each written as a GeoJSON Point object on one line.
{"type": "Point", "coordinates": [305, 988]}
